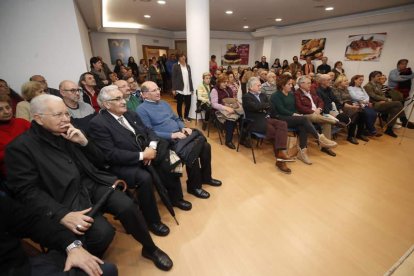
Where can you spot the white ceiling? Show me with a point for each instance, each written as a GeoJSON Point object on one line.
{"type": "Point", "coordinates": [254, 13]}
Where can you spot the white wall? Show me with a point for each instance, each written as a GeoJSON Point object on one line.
{"type": "Point", "coordinates": [39, 37]}
{"type": "Point", "coordinates": [100, 45]}
{"type": "Point", "coordinates": [399, 44]}
{"type": "Point", "coordinates": [84, 35]}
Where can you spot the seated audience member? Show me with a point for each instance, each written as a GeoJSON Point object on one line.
{"type": "Point", "coordinates": [10, 128]}
{"type": "Point", "coordinates": [283, 108]}
{"type": "Point", "coordinates": [218, 93]}
{"type": "Point", "coordinates": [132, 102]}
{"type": "Point", "coordinates": [324, 68]}
{"type": "Point", "coordinates": [295, 65]}
{"type": "Point", "coordinates": [246, 76]}
{"type": "Point", "coordinates": [385, 105]}
{"type": "Point", "coordinates": [105, 67]}
{"type": "Point", "coordinates": [158, 115]}
{"type": "Point", "coordinates": [262, 76]}
{"type": "Point", "coordinates": [143, 69]}
{"type": "Point", "coordinates": [15, 98]}
{"type": "Point", "coordinates": [48, 169]}
{"type": "Point", "coordinates": [234, 85]}
{"type": "Point", "coordinates": [360, 96]}
{"type": "Point", "coordinates": [117, 68]}
{"type": "Point", "coordinates": [311, 106]}
{"type": "Point", "coordinates": [308, 67]}
{"type": "Point", "coordinates": [129, 146]}
{"type": "Point", "coordinates": [89, 90]}
{"type": "Point", "coordinates": [356, 129]}
{"type": "Point", "coordinates": [203, 98]}
{"type": "Point", "coordinates": [80, 112]}
{"type": "Point", "coordinates": [30, 90]}
{"type": "Point", "coordinates": [113, 77]}
{"type": "Point", "coordinates": [215, 76]}
{"type": "Point", "coordinates": [401, 78]}
{"type": "Point", "coordinates": [98, 73]}
{"type": "Point", "coordinates": [135, 88]}
{"type": "Point", "coordinates": [332, 76]}
{"type": "Point", "coordinates": [43, 82]}
{"type": "Point", "coordinates": [338, 70]}
{"type": "Point", "coordinates": [285, 66]}
{"type": "Point", "coordinates": [393, 94]}
{"type": "Point", "coordinates": [269, 87]}
{"type": "Point", "coordinates": [123, 72]}
{"type": "Point", "coordinates": [20, 221]}
{"type": "Point", "coordinates": [276, 64]}
{"type": "Point", "coordinates": [256, 106]}
{"type": "Point", "coordinates": [331, 104]}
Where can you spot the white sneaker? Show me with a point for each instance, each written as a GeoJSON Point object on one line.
{"type": "Point", "coordinates": [325, 142]}
{"type": "Point", "coordinates": [396, 126]}
{"type": "Point", "coordinates": [303, 156]}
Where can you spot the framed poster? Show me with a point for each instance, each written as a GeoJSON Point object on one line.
{"type": "Point", "coordinates": [236, 54]}
{"type": "Point", "coordinates": [313, 48]}
{"type": "Point", "coordinates": [119, 49]}
{"type": "Point", "coordinates": [365, 47]}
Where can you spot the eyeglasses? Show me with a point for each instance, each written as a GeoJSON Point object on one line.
{"type": "Point", "coordinates": [74, 90]}
{"type": "Point", "coordinates": [117, 99]}
{"type": "Point", "coordinates": [155, 90]}
{"type": "Point", "coordinates": [58, 115]}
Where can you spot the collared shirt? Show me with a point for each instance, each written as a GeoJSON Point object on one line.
{"type": "Point", "coordinates": [153, 144]}
{"type": "Point", "coordinates": [186, 89]}
{"type": "Point", "coordinates": [257, 95]}
{"type": "Point", "coordinates": [307, 94]}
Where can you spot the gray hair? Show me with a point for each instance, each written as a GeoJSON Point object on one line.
{"type": "Point", "coordinates": [251, 82]}
{"type": "Point", "coordinates": [302, 79]}
{"type": "Point", "coordinates": [103, 95]}
{"type": "Point", "coordinates": [39, 104]}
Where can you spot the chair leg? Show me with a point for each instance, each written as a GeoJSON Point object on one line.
{"type": "Point", "coordinates": [254, 157]}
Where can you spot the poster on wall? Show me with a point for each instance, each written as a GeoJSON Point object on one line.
{"type": "Point", "coordinates": [365, 47]}
{"type": "Point", "coordinates": [312, 48]}
{"type": "Point", "coordinates": [119, 49]}
{"type": "Point", "coordinates": [236, 54]}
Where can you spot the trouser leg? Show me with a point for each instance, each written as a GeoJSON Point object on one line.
{"type": "Point", "coordinates": [277, 130]}
{"type": "Point", "coordinates": [180, 99]}
{"type": "Point", "coordinates": [229, 128]}
{"type": "Point", "coordinates": [205, 162]}
{"type": "Point", "coordinates": [187, 103]}
{"type": "Point", "coordinates": [99, 236]}
{"type": "Point", "coordinates": [392, 108]}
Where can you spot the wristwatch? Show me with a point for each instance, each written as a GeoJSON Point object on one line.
{"type": "Point", "coordinates": [74, 244]}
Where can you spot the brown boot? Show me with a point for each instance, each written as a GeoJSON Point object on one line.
{"type": "Point", "coordinates": [283, 157]}
{"type": "Point", "coordinates": [283, 167]}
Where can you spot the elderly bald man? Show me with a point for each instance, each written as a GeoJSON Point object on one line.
{"type": "Point", "coordinates": [51, 168]}
{"type": "Point", "coordinates": [132, 102]}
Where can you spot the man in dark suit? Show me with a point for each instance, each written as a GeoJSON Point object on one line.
{"type": "Point", "coordinates": [256, 105]}
{"type": "Point", "coordinates": [53, 168]}
{"type": "Point", "coordinates": [129, 146]}
{"type": "Point", "coordinates": [263, 64]}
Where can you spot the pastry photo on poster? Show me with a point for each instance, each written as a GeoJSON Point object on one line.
{"type": "Point", "coordinates": [365, 47]}
{"type": "Point", "coordinates": [312, 48]}
{"type": "Point", "coordinates": [236, 54]}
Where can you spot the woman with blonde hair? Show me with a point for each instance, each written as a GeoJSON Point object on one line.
{"type": "Point", "coordinates": [203, 98]}
{"type": "Point", "coordinates": [30, 90]}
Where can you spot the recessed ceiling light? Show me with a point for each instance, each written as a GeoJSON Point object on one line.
{"type": "Point", "coordinates": [147, 16]}
{"type": "Point", "coordinates": [161, 2]}
{"type": "Point", "coordinates": [278, 19]}
{"type": "Point", "coordinates": [229, 12]}
{"type": "Point", "coordinates": [245, 27]}
{"type": "Point", "coordinates": [329, 8]}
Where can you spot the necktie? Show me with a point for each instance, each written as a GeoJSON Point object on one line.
{"type": "Point", "coordinates": [122, 122]}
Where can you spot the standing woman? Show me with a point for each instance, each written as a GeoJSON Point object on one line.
{"type": "Point", "coordinates": [132, 64]}
{"type": "Point", "coordinates": [182, 86]}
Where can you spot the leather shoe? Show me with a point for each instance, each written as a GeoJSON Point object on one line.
{"type": "Point", "coordinates": [352, 140]}
{"type": "Point", "coordinates": [363, 138]}
{"type": "Point", "coordinates": [183, 205]}
{"type": "Point", "coordinates": [409, 125]}
{"type": "Point", "coordinates": [230, 145]}
{"type": "Point", "coordinates": [159, 258]}
{"type": "Point", "coordinates": [200, 193]}
{"type": "Point", "coordinates": [283, 157]}
{"type": "Point", "coordinates": [159, 229]}
{"type": "Point", "coordinates": [328, 151]}
{"type": "Point", "coordinates": [213, 182]}
{"type": "Point", "coordinates": [390, 133]}
{"type": "Point", "coordinates": [283, 167]}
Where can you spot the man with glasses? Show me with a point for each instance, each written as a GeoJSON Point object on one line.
{"type": "Point", "coordinates": [129, 147]}
{"type": "Point", "coordinates": [51, 168]}
{"type": "Point", "coordinates": [80, 111]}
{"type": "Point", "coordinates": [125, 87]}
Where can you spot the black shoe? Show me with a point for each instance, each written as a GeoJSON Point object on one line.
{"type": "Point", "coordinates": [408, 125]}
{"type": "Point", "coordinates": [183, 205]}
{"type": "Point", "coordinates": [159, 229]}
{"type": "Point", "coordinates": [390, 133]}
{"type": "Point", "coordinates": [328, 151]}
{"type": "Point", "coordinates": [230, 145]}
{"type": "Point", "coordinates": [353, 140]}
{"type": "Point", "coordinates": [200, 193]}
{"type": "Point", "coordinates": [159, 258]}
{"type": "Point", "coordinates": [363, 138]}
{"type": "Point", "coordinates": [213, 182]}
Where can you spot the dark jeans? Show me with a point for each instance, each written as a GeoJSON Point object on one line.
{"type": "Point", "coordinates": [186, 99]}
{"type": "Point", "coordinates": [370, 116]}
{"type": "Point", "coordinates": [229, 128]}
{"type": "Point", "coordinates": [200, 172]}
{"type": "Point", "coordinates": [303, 126]}
{"type": "Point", "coordinates": [53, 263]}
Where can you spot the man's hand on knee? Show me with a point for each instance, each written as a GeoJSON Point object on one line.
{"type": "Point", "coordinates": [79, 257]}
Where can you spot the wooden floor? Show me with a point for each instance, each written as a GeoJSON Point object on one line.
{"type": "Point", "coordinates": [352, 214]}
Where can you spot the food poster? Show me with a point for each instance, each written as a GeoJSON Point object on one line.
{"type": "Point", "coordinates": [236, 54]}
{"type": "Point", "coordinates": [365, 47]}
{"type": "Point", "coordinates": [312, 48]}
